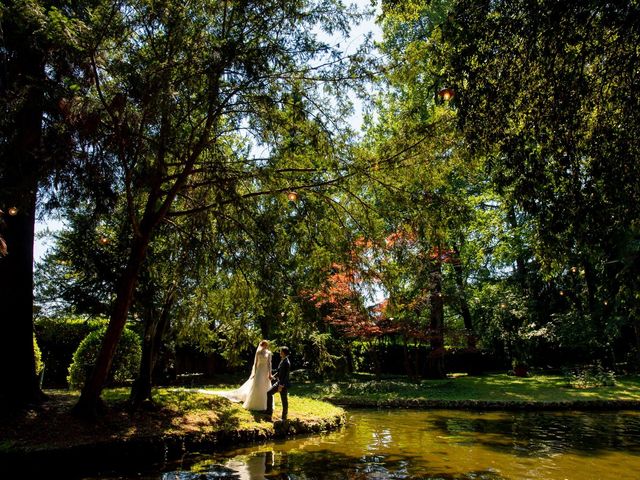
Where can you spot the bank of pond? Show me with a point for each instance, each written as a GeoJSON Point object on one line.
{"type": "Point", "coordinates": [590, 433]}
{"type": "Point", "coordinates": [412, 444]}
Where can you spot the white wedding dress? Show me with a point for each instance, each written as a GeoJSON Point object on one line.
{"type": "Point", "coordinates": [253, 392]}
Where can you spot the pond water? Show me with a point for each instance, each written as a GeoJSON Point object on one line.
{"type": "Point", "coordinates": [451, 444]}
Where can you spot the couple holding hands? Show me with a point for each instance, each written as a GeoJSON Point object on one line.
{"type": "Point", "coordinates": [257, 392]}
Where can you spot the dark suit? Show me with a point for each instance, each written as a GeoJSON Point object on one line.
{"type": "Point", "coordinates": [282, 380]}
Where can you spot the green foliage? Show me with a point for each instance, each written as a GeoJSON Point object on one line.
{"type": "Point", "coordinates": [589, 376]}
{"type": "Point", "coordinates": [380, 386]}
{"type": "Point", "coordinates": [231, 305]}
{"type": "Point", "coordinates": [126, 361]}
{"type": "Point", "coordinates": [38, 57]}
{"type": "Point", "coordinates": [359, 351]}
{"type": "Point", "coordinates": [37, 355]}
{"type": "Point", "coordinates": [486, 388]}
{"type": "Point", "coordinates": [78, 274]}
{"type": "Point", "coordinates": [59, 338]}
{"type": "Point", "coordinates": [198, 128]}
{"type": "Point", "coordinates": [318, 353]}
{"type": "Point", "coordinates": [69, 330]}
{"type": "Point", "coordinates": [528, 176]}
{"type": "Point", "coordinates": [543, 95]}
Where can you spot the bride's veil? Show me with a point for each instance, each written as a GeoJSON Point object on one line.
{"type": "Point", "coordinates": [240, 394]}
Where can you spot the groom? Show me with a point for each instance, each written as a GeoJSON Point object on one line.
{"type": "Point", "coordinates": [281, 385]}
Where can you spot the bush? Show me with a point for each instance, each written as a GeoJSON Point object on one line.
{"type": "Point", "coordinates": [589, 376]}
{"type": "Point", "coordinates": [37, 356]}
{"type": "Point", "coordinates": [126, 360]}
{"type": "Point", "coordinates": [376, 386]}
{"type": "Point", "coordinates": [58, 339]}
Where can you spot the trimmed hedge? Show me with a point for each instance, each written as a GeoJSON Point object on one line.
{"type": "Point", "coordinates": [126, 360]}
{"type": "Point", "coordinates": [58, 339]}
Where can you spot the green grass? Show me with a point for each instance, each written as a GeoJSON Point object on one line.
{"type": "Point", "coordinates": [175, 412]}
{"type": "Point", "coordinates": [210, 413]}
{"type": "Point", "coordinates": [493, 387]}
{"type": "Point", "coordinates": [185, 411]}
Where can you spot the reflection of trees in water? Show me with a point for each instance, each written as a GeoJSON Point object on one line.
{"type": "Point", "coordinates": [540, 433]}
{"type": "Point", "coordinates": [242, 467]}
{"type": "Point", "coordinates": [328, 464]}
{"type": "Point", "coordinates": [321, 464]}
{"type": "Point", "coordinates": [434, 444]}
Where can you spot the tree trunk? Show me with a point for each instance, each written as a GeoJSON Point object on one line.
{"type": "Point", "coordinates": [265, 325]}
{"type": "Point", "coordinates": [521, 269]}
{"type": "Point", "coordinates": [154, 331]}
{"type": "Point", "coordinates": [464, 303]}
{"type": "Point", "coordinates": [18, 190]}
{"type": "Point", "coordinates": [435, 359]}
{"type": "Point", "coordinates": [16, 294]}
{"type": "Point", "coordinates": [377, 367]}
{"type": "Point", "coordinates": [596, 310]}
{"type": "Point", "coordinates": [90, 403]}
{"type": "Point", "coordinates": [141, 388]}
{"type": "Point", "coordinates": [408, 364]}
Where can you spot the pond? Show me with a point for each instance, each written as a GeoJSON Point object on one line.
{"type": "Point", "coordinates": [439, 444]}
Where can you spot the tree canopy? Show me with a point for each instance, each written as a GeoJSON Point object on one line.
{"type": "Point", "coordinates": [214, 189]}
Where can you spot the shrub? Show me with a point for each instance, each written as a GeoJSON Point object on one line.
{"type": "Point", "coordinates": [376, 386]}
{"type": "Point", "coordinates": [125, 361]}
{"type": "Point", "coordinates": [589, 376]}
{"type": "Point", "coordinates": [58, 339]}
{"type": "Point", "coordinates": [37, 355]}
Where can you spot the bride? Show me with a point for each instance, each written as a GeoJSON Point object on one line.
{"type": "Point", "coordinates": [253, 392]}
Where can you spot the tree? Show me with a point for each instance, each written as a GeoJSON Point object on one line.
{"type": "Point", "coordinates": [422, 190]}
{"type": "Point", "coordinates": [548, 94]}
{"type": "Point", "coordinates": [38, 51]}
{"type": "Point", "coordinates": [78, 273]}
{"type": "Point", "coordinates": [175, 98]}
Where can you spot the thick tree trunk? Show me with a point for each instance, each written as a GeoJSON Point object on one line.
{"type": "Point", "coordinates": [16, 294]}
{"type": "Point", "coordinates": [265, 325]}
{"type": "Point", "coordinates": [377, 367]}
{"type": "Point", "coordinates": [18, 193]}
{"type": "Point", "coordinates": [408, 364]}
{"type": "Point", "coordinates": [435, 359]}
{"type": "Point", "coordinates": [521, 269]}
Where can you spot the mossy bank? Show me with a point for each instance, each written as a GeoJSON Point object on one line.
{"type": "Point", "coordinates": [180, 421]}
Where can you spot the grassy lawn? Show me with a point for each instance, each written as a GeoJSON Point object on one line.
{"type": "Point", "coordinates": [193, 411]}
{"type": "Point", "coordinates": [498, 387]}
{"type": "Point", "coordinates": [177, 412]}
{"type": "Point", "coordinates": [196, 411]}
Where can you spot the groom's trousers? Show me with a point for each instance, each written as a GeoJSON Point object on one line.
{"type": "Point", "coordinates": [284, 396]}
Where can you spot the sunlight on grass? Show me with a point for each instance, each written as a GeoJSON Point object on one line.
{"type": "Point", "coordinates": [460, 387]}
{"type": "Point", "coordinates": [177, 411]}
{"type": "Point", "coordinates": [199, 408]}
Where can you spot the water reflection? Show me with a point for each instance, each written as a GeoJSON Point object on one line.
{"type": "Point", "coordinates": [539, 433]}
{"type": "Point", "coordinates": [319, 465]}
{"type": "Point", "coordinates": [442, 445]}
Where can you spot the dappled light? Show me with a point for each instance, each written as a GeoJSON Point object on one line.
{"type": "Point", "coordinates": [420, 207]}
{"type": "Point", "coordinates": [451, 444]}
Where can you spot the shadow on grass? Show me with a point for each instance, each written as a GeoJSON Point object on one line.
{"type": "Point", "coordinates": [489, 387]}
